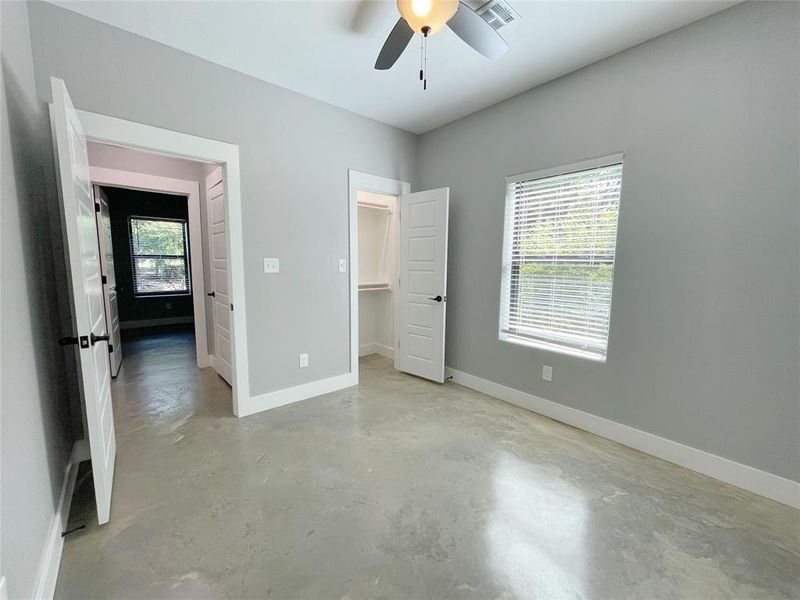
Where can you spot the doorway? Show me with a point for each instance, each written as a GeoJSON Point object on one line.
{"type": "Point", "coordinates": [152, 192]}
{"type": "Point", "coordinates": [72, 131]}
{"type": "Point", "coordinates": [377, 273]}
{"type": "Point", "coordinates": [220, 164]}
{"type": "Point", "coordinates": [398, 274]}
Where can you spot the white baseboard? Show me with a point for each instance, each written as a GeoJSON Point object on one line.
{"type": "Point", "coordinates": [296, 394]}
{"type": "Point", "coordinates": [376, 348]}
{"type": "Point", "coordinates": [748, 478]}
{"type": "Point", "coordinates": [156, 322]}
{"type": "Point", "coordinates": [51, 554]}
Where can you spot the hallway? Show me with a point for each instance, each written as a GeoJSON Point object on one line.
{"type": "Point", "coordinates": [400, 488]}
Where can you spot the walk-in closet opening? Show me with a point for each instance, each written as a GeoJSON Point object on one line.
{"type": "Point", "coordinates": [377, 273]}
{"type": "Point", "coordinates": [398, 280]}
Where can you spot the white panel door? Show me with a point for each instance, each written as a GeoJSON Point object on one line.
{"type": "Point", "coordinates": [422, 289]}
{"type": "Point", "coordinates": [109, 280]}
{"type": "Point", "coordinates": [220, 295]}
{"type": "Point", "coordinates": [80, 240]}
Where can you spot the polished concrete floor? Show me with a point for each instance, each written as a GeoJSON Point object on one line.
{"type": "Point", "coordinates": [400, 488]}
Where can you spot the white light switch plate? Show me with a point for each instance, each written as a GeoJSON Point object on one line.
{"type": "Point", "coordinates": [342, 265]}
{"type": "Point", "coordinates": [547, 373]}
{"type": "Point", "coordinates": [272, 265]}
{"type": "Point", "coordinates": [303, 361]}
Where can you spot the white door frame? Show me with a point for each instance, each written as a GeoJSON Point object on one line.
{"type": "Point", "coordinates": [363, 182]}
{"type": "Point", "coordinates": [182, 187]}
{"type": "Point", "coordinates": [110, 130]}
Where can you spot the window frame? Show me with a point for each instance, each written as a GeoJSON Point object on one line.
{"type": "Point", "coordinates": [507, 267]}
{"type": "Point", "coordinates": [186, 258]}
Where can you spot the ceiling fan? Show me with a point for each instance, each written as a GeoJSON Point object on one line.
{"type": "Point", "coordinates": [427, 17]}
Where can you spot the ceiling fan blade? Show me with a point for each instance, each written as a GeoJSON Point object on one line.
{"type": "Point", "coordinates": [394, 45]}
{"type": "Point", "coordinates": [477, 33]}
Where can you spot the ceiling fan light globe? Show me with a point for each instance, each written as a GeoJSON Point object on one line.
{"type": "Point", "coordinates": [427, 13]}
{"type": "Point", "coordinates": [421, 8]}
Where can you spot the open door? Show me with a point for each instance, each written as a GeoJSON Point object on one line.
{"type": "Point", "coordinates": [109, 280]}
{"type": "Point", "coordinates": [88, 318]}
{"type": "Point", "coordinates": [220, 297]}
{"type": "Point", "coordinates": [422, 289]}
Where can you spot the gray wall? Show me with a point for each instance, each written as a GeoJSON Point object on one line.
{"type": "Point", "coordinates": [704, 326]}
{"type": "Point", "coordinates": [295, 153]}
{"type": "Point", "coordinates": [35, 437]}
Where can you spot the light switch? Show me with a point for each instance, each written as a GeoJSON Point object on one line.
{"type": "Point", "coordinates": [547, 373]}
{"type": "Point", "coordinates": [303, 361]}
{"type": "Point", "coordinates": [272, 265]}
{"type": "Point", "coordinates": [342, 265]}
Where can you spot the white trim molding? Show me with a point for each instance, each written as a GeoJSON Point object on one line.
{"type": "Point", "coordinates": [742, 476]}
{"type": "Point", "coordinates": [119, 132]}
{"type": "Point", "coordinates": [182, 187]}
{"type": "Point", "coordinates": [297, 393]}
{"type": "Point", "coordinates": [50, 560]}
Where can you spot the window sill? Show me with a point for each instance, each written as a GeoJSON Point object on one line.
{"type": "Point", "coordinates": [552, 347]}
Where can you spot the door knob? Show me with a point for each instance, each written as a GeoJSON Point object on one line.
{"type": "Point", "coordinates": [98, 338]}
{"type": "Point", "coordinates": [436, 299]}
{"type": "Point", "coordinates": [212, 294]}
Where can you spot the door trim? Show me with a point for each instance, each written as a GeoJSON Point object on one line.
{"type": "Point", "coordinates": [110, 130]}
{"type": "Point", "coordinates": [363, 182]}
{"type": "Point", "coordinates": [182, 187]}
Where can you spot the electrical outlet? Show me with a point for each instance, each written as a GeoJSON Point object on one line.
{"type": "Point", "coordinates": [303, 361]}
{"type": "Point", "coordinates": [342, 265]}
{"type": "Point", "coordinates": [272, 265]}
{"type": "Point", "coordinates": [547, 373]}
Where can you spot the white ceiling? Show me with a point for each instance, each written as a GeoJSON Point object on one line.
{"type": "Point", "coordinates": [327, 49]}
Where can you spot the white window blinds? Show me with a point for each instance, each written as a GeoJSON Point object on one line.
{"type": "Point", "coordinates": [158, 256]}
{"type": "Point", "coordinates": [558, 257]}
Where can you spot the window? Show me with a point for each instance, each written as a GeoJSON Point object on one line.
{"type": "Point", "coordinates": [558, 257]}
{"type": "Point", "coordinates": [158, 256]}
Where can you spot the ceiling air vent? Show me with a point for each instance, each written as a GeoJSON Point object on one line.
{"type": "Point", "coordinates": [498, 13]}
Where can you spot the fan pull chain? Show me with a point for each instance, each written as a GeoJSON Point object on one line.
{"type": "Point", "coordinates": [423, 72]}
{"type": "Point", "coordinates": [421, 60]}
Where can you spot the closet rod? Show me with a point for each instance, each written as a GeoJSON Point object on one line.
{"type": "Point", "coordinates": [380, 207]}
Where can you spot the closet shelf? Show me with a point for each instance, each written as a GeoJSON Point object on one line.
{"type": "Point", "coordinates": [374, 287]}
{"type": "Point", "coordinates": [378, 207]}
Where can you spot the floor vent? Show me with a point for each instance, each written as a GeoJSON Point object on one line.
{"type": "Point", "coordinates": [498, 13]}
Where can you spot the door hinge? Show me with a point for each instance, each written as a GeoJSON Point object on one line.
{"type": "Point", "coordinates": [111, 348]}
{"type": "Point", "coordinates": [231, 306]}
{"type": "Point", "coordinates": [96, 207]}
{"type": "Point", "coordinates": [104, 279]}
